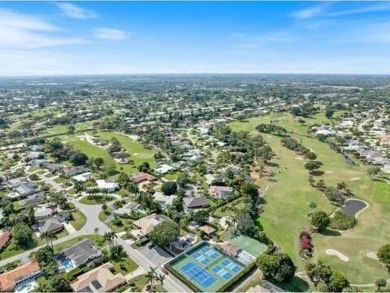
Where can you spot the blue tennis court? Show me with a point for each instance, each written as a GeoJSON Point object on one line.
{"type": "Point", "coordinates": [207, 268]}
{"type": "Point", "coordinates": [198, 274]}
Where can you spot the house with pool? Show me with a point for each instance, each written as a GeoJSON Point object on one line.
{"type": "Point", "coordinates": [21, 279]}
{"type": "Point", "coordinates": [77, 255]}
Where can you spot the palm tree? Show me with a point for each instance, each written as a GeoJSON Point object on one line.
{"type": "Point", "coordinates": [151, 276]}
{"type": "Point", "coordinates": [109, 237]}
{"type": "Point", "coordinates": [45, 236]}
{"type": "Point", "coordinates": [52, 236]}
{"type": "Point", "coordinates": [161, 279]}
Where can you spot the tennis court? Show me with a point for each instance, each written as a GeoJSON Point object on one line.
{"type": "Point", "coordinates": [250, 245]}
{"type": "Point", "coordinates": [206, 268]}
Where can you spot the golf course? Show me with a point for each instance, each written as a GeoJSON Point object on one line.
{"type": "Point", "coordinates": [288, 196]}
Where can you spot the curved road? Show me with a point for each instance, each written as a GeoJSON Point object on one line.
{"type": "Point", "coordinates": [171, 283]}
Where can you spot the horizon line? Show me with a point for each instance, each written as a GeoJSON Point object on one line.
{"type": "Point", "coordinates": [189, 73]}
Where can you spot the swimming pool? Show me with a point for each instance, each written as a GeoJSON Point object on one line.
{"type": "Point", "coordinates": [26, 286]}
{"type": "Point", "coordinates": [66, 264]}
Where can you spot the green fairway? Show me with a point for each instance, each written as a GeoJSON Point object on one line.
{"type": "Point", "coordinates": [92, 151]}
{"type": "Point", "coordinates": [288, 198]}
{"type": "Point", "coordinates": [136, 150]}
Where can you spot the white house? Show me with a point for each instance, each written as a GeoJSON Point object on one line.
{"type": "Point", "coordinates": [107, 185]}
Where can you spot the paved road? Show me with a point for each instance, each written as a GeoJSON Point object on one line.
{"type": "Point", "coordinates": [171, 284]}
{"type": "Point", "coordinates": [92, 213]}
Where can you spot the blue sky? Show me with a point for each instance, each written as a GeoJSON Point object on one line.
{"type": "Point", "coordinates": [44, 38]}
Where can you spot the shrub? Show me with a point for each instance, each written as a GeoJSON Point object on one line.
{"type": "Point", "coordinates": [342, 222]}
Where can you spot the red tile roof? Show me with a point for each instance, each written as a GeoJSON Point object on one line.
{"type": "Point", "coordinates": [4, 239]}
{"type": "Point", "coordinates": [9, 279]}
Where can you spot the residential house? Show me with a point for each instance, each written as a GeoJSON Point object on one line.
{"type": "Point", "coordinates": [37, 162]}
{"type": "Point", "coordinates": [43, 211]}
{"type": "Point", "coordinates": [128, 208]}
{"type": "Point", "coordinates": [26, 189]}
{"type": "Point", "coordinates": [13, 278]}
{"type": "Point", "coordinates": [83, 177]}
{"type": "Point", "coordinates": [108, 185]}
{"type": "Point", "coordinates": [208, 230]}
{"type": "Point", "coordinates": [36, 148]}
{"type": "Point", "coordinates": [73, 170]}
{"type": "Point", "coordinates": [14, 183]}
{"type": "Point", "coordinates": [50, 225]}
{"type": "Point", "coordinates": [220, 191]}
{"type": "Point", "coordinates": [5, 237]}
{"type": "Point", "coordinates": [198, 202]}
{"type": "Point", "coordinates": [164, 169]}
{"type": "Point", "coordinates": [53, 167]}
{"type": "Point", "coordinates": [35, 155]}
{"type": "Point", "coordinates": [209, 178]}
{"type": "Point", "coordinates": [146, 224]}
{"type": "Point", "coordinates": [33, 199]}
{"type": "Point", "coordinates": [100, 279]}
{"type": "Point", "coordinates": [79, 254]}
{"type": "Point", "coordinates": [163, 200]}
{"type": "Point", "coordinates": [141, 177]}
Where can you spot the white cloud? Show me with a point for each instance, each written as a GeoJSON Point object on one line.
{"type": "Point", "coordinates": [110, 34]}
{"type": "Point", "coordinates": [15, 20]}
{"type": "Point", "coordinates": [311, 12]}
{"type": "Point", "coordinates": [20, 31]}
{"type": "Point", "coordinates": [322, 10]}
{"type": "Point", "coordinates": [74, 11]}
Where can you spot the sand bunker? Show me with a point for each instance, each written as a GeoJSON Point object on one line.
{"type": "Point", "coordinates": [328, 172]}
{"type": "Point", "coordinates": [372, 255]}
{"type": "Point", "coordinates": [299, 158]}
{"type": "Point", "coordinates": [333, 252]}
{"type": "Point", "coordinates": [354, 179]}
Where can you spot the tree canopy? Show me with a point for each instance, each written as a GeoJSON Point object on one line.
{"type": "Point", "coordinates": [320, 220]}
{"type": "Point", "coordinates": [164, 234]}
{"type": "Point", "coordinates": [277, 267]}
{"type": "Point", "coordinates": [169, 187]}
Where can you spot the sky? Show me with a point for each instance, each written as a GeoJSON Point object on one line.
{"type": "Point", "coordinates": [68, 38]}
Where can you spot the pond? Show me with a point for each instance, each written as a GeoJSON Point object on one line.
{"type": "Point", "coordinates": [353, 206]}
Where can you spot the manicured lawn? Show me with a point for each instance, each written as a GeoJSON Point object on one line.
{"type": "Point", "coordinates": [92, 151]}
{"type": "Point", "coordinates": [92, 201]}
{"type": "Point", "coordinates": [11, 250]}
{"type": "Point", "coordinates": [138, 153]}
{"type": "Point", "coordinates": [287, 199]}
{"type": "Point", "coordinates": [124, 265]}
{"type": "Point", "coordinates": [173, 176]}
{"type": "Point", "coordinates": [139, 283]}
{"type": "Point", "coordinates": [58, 129]}
{"type": "Point", "coordinates": [103, 216]}
{"type": "Point", "coordinates": [79, 220]}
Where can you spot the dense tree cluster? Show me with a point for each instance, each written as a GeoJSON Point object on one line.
{"type": "Point", "coordinates": [271, 128]}
{"type": "Point", "coordinates": [164, 234]}
{"type": "Point", "coordinates": [278, 267]}
{"type": "Point", "coordinates": [326, 279]}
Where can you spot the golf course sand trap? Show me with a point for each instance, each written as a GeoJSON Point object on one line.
{"type": "Point", "coordinates": [299, 158]}
{"type": "Point", "coordinates": [333, 252]}
{"type": "Point", "coordinates": [372, 255]}
{"type": "Point", "coordinates": [328, 172]}
{"type": "Point", "coordinates": [354, 179]}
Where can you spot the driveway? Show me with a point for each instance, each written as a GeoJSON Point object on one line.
{"type": "Point", "coordinates": [156, 255]}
